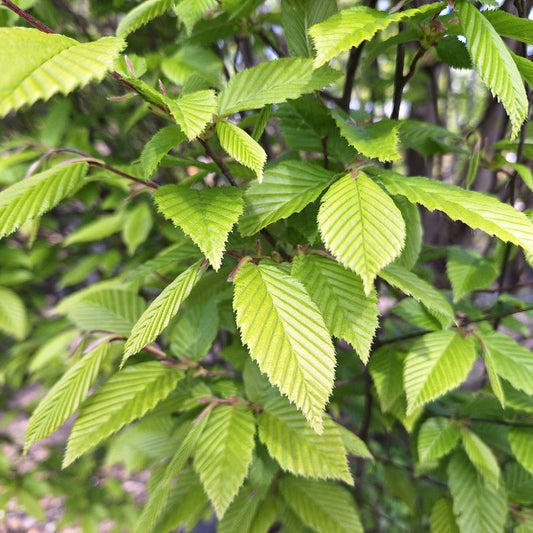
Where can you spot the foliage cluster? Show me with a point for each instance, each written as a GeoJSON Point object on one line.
{"type": "Point", "coordinates": [227, 259]}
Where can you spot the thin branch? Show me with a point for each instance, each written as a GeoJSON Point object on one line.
{"type": "Point", "coordinates": [351, 68]}
{"type": "Point", "coordinates": [218, 161]}
{"type": "Point", "coordinates": [398, 77]}
{"type": "Point", "coordinates": [363, 435]}
{"type": "Point", "coordinates": [91, 161]}
{"type": "Point", "coordinates": [26, 16]}
{"type": "Point", "coordinates": [268, 41]}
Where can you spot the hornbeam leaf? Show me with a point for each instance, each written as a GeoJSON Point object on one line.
{"type": "Point", "coordinates": [36, 195]}
{"type": "Point", "coordinates": [467, 271]}
{"type": "Point", "coordinates": [13, 315]}
{"type": "Point", "coordinates": [477, 507]}
{"type": "Point", "coordinates": [206, 215]}
{"type": "Point", "coordinates": [126, 396]}
{"type": "Point", "coordinates": [297, 16]}
{"type": "Point", "coordinates": [109, 309]}
{"type": "Point", "coordinates": [36, 65]}
{"type": "Point", "coordinates": [509, 25]}
{"type": "Point", "coordinates": [142, 15]}
{"type": "Point", "coordinates": [243, 148]}
{"type": "Point", "coordinates": [64, 398]}
{"type": "Point", "coordinates": [509, 360]}
{"type": "Point", "coordinates": [193, 111]}
{"type": "Point", "coordinates": [286, 335]}
{"type": "Point", "coordinates": [437, 363]}
{"type": "Point", "coordinates": [348, 313]}
{"type": "Point", "coordinates": [350, 27]}
{"type": "Point", "coordinates": [272, 82]}
{"type": "Point", "coordinates": [379, 140]}
{"type": "Point", "coordinates": [286, 189]}
{"type": "Point", "coordinates": [224, 453]}
{"type": "Point", "coordinates": [410, 284]}
{"type": "Point", "coordinates": [386, 369]}
{"type": "Point", "coordinates": [482, 458]}
{"type": "Point", "coordinates": [297, 448]}
{"type": "Point", "coordinates": [494, 63]}
{"type": "Point", "coordinates": [442, 519]}
{"type": "Point", "coordinates": [361, 226]}
{"type": "Point", "coordinates": [477, 210]}
{"type": "Point", "coordinates": [191, 11]}
{"type": "Point", "coordinates": [158, 497]}
{"type": "Point", "coordinates": [158, 146]}
{"type": "Point", "coordinates": [321, 505]}
{"type": "Point", "coordinates": [156, 318]}
{"type": "Point", "coordinates": [521, 441]}
{"type": "Point", "coordinates": [437, 437]}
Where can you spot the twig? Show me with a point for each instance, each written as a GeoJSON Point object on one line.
{"type": "Point", "coordinates": [26, 16]}
{"type": "Point", "coordinates": [91, 161]}
{"type": "Point", "coordinates": [363, 435]}
{"type": "Point", "coordinates": [218, 161]}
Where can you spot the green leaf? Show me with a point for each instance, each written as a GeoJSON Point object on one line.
{"type": "Point", "coordinates": [321, 505]}
{"type": "Point", "coordinates": [414, 232]}
{"type": "Point", "coordinates": [437, 438]}
{"type": "Point", "coordinates": [192, 61]}
{"type": "Point", "coordinates": [137, 227]}
{"type": "Point", "coordinates": [187, 503]}
{"type": "Point", "coordinates": [241, 514]}
{"type": "Point", "coordinates": [353, 444]}
{"type": "Point", "coordinates": [193, 111]}
{"type": "Point", "coordinates": [477, 210]}
{"type": "Point", "coordinates": [379, 140]}
{"type": "Point", "coordinates": [509, 360]}
{"type": "Point", "coordinates": [206, 215]}
{"type": "Point", "coordinates": [453, 52]}
{"type": "Point", "coordinates": [521, 441]}
{"type": "Point", "coordinates": [272, 82]}
{"type": "Point", "coordinates": [494, 63]}
{"type": "Point", "coordinates": [482, 458]}
{"type": "Point", "coordinates": [224, 453]}
{"type": "Point", "coordinates": [299, 15]}
{"type": "Point", "coordinates": [509, 25]}
{"type": "Point", "coordinates": [305, 123]}
{"type": "Point", "coordinates": [442, 519]}
{"type": "Point", "coordinates": [114, 310]}
{"type": "Point", "coordinates": [191, 11]}
{"type": "Point", "coordinates": [467, 271]}
{"type": "Point", "coordinates": [37, 65]}
{"type": "Point", "coordinates": [416, 314]}
{"type": "Point", "coordinates": [159, 496]}
{"type": "Point", "coordinates": [243, 148]}
{"type": "Point", "coordinates": [158, 146]}
{"type": "Point", "coordinates": [286, 188]}
{"type": "Point", "coordinates": [436, 363]}
{"type": "Point", "coordinates": [13, 316]}
{"type": "Point", "coordinates": [428, 139]}
{"type": "Point", "coordinates": [34, 196]}
{"type": "Point", "coordinates": [156, 318]}
{"type": "Point", "coordinates": [477, 507]}
{"type": "Point", "coordinates": [410, 284]}
{"type": "Point", "coordinates": [195, 330]}
{"type": "Point", "coordinates": [126, 396]}
{"type": "Point", "coordinates": [64, 398]}
{"type": "Point", "coordinates": [142, 15]}
{"type": "Point", "coordinates": [350, 27]}
{"type": "Point", "coordinates": [97, 230]}
{"type": "Point", "coordinates": [386, 369]}
{"type": "Point", "coordinates": [286, 335]}
{"type": "Point", "coordinates": [338, 293]}
{"type": "Point", "coordinates": [361, 226]}
{"type": "Point", "coordinates": [297, 448]}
